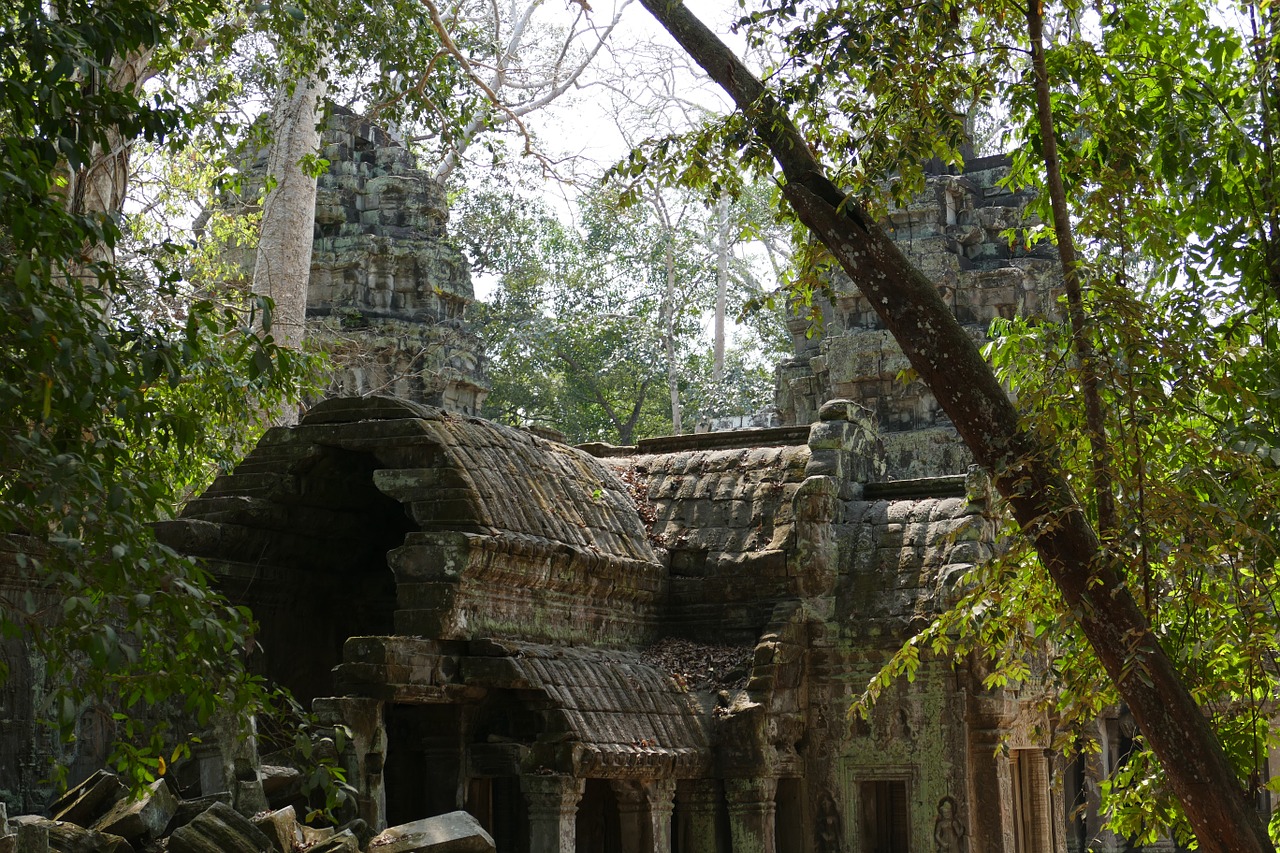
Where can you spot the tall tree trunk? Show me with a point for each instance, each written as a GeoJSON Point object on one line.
{"type": "Point", "coordinates": [722, 288]}
{"type": "Point", "coordinates": [282, 268]}
{"type": "Point", "coordinates": [669, 334]}
{"type": "Point", "coordinates": [1081, 335]}
{"type": "Point", "coordinates": [100, 186]}
{"type": "Point", "coordinates": [1024, 470]}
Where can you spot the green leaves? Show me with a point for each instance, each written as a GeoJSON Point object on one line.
{"type": "Point", "coordinates": [1166, 117]}
{"type": "Point", "coordinates": [114, 403]}
{"type": "Point", "coordinates": [575, 329]}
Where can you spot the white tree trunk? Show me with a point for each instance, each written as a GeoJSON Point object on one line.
{"type": "Point", "coordinates": [722, 288]}
{"type": "Point", "coordinates": [283, 264]}
{"type": "Point", "coordinates": [669, 332]}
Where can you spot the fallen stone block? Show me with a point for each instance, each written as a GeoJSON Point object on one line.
{"type": "Point", "coordinates": [219, 829]}
{"type": "Point", "coordinates": [281, 828]}
{"type": "Point", "coordinates": [279, 783]}
{"type": "Point", "coordinates": [455, 832]}
{"type": "Point", "coordinates": [189, 810]}
{"type": "Point", "coordinates": [39, 835]}
{"type": "Point", "coordinates": [311, 836]}
{"type": "Point", "coordinates": [343, 842]}
{"type": "Point", "coordinates": [86, 802]}
{"type": "Point", "coordinates": [141, 819]}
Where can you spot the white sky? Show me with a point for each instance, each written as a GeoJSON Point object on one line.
{"type": "Point", "coordinates": [580, 127]}
{"type": "Point", "coordinates": [581, 122]}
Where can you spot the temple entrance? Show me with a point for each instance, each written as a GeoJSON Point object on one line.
{"type": "Point", "coordinates": [423, 765]}
{"type": "Point", "coordinates": [789, 823]}
{"type": "Point", "coordinates": [598, 827]}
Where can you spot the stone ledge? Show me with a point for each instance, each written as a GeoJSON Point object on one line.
{"type": "Point", "coordinates": [772, 437]}
{"type": "Point", "coordinates": [922, 487]}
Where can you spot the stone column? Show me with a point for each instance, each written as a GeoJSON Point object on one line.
{"type": "Point", "coordinates": [365, 751]}
{"type": "Point", "coordinates": [699, 801]}
{"type": "Point", "coordinates": [644, 814]}
{"type": "Point", "coordinates": [751, 811]}
{"type": "Point", "coordinates": [1029, 769]}
{"type": "Point", "coordinates": [662, 801]}
{"type": "Point", "coordinates": [553, 812]}
{"type": "Point", "coordinates": [990, 795]}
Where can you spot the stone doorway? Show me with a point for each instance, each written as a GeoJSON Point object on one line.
{"type": "Point", "coordinates": [789, 822]}
{"type": "Point", "coordinates": [423, 767]}
{"type": "Point", "coordinates": [598, 827]}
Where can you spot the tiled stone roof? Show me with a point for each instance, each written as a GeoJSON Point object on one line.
{"type": "Point", "coordinates": [618, 716]}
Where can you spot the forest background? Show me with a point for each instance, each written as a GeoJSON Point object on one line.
{"type": "Point", "coordinates": [1141, 463]}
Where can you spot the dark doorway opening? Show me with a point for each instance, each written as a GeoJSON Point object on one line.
{"type": "Point", "coordinates": [598, 827]}
{"type": "Point", "coordinates": [424, 761]}
{"type": "Point", "coordinates": [789, 822]}
{"type": "Point", "coordinates": [885, 826]}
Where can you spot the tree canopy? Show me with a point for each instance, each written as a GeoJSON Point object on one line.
{"type": "Point", "coordinates": [576, 328]}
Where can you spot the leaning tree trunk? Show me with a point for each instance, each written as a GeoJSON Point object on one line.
{"type": "Point", "coordinates": [1024, 470]}
{"type": "Point", "coordinates": [282, 267]}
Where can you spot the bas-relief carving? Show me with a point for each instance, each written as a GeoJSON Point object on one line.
{"type": "Point", "coordinates": [949, 834]}
{"type": "Point", "coordinates": [830, 829]}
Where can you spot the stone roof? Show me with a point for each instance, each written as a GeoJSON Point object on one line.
{"type": "Point", "coordinates": [619, 716]}
{"type": "Point", "coordinates": [451, 472]}
{"type": "Point", "coordinates": [390, 517]}
{"type": "Point", "coordinates": [905, 556]}
{"type": "Point", "coordinates": [727, 521]}
{"type": "Point", "coordinates": [732, 502]}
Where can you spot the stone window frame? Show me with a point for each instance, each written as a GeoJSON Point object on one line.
{"type": "Point", "coordinates": [853, 775]}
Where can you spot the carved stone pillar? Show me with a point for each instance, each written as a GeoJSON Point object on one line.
{"type": "Point", "coordinates": [644, 814]}
{"type": "Point", "coordinates": [662, 800]}
{"type": "Point", "coordinates": [699, 801]}
{"type": "Point", "coordinates": [553, 811]}
{"type": "Point", "coordinates": [1033, 809]}
{"type": "Point", "coordinates": [751, 811]}
{"type": "Point", "coordinates": [364, 754]}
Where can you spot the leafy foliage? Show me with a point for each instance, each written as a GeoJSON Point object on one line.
{"type": "Point", "coordinates": [574, 329]}
{"type": "Point", "coordinates": [110, 409]}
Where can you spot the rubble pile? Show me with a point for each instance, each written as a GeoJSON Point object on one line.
{"type": "Point", "coordinates": [100, 816]}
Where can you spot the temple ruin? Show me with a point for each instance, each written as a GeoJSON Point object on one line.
{"type": "Point", "coordinates": [655, 648]}
{"type": "Point", "coordinates": [647, 649]}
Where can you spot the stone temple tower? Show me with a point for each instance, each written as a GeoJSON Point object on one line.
{"type": "Point", "coordinates": [958, 230]}
{"type": "Point", "coordinates": [389, 294]}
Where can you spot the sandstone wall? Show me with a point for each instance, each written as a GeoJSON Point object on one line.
{"type": "Point", "coordinates": [958, 231]}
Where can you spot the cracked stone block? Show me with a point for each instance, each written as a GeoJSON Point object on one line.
{"type": "Point", "coordinates": [281, 828]}
{"type": "Point", "coordinates": [220, 829]}
{"type": "Point", "coordinates": [38, 835]}
{"type": "Point", "coordinates": [143, 818]}
{"type": "Point", "coordinates": [455, 832]}
{"type": "Point", "coordinates": [84, 803]}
